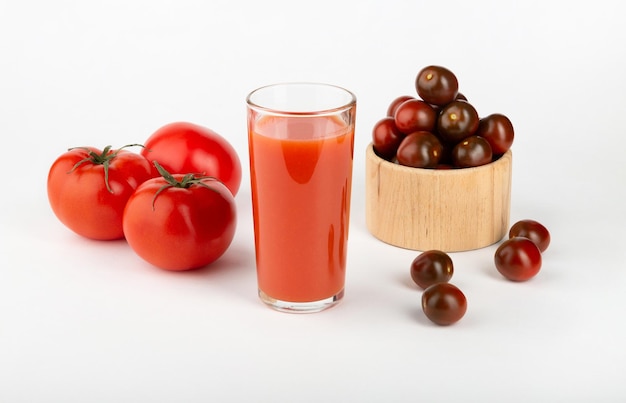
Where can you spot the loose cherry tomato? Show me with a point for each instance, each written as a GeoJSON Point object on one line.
{"type": "Point", "coordinates": [183, 148]}
{"type": "Point", "coordinates": [472, 152]}
{"type": "Point", "coordinates": [457, 120]}
{"type": "Point", "coordinates": [497, 129]}
{"type": "Point", "coordinates": [391, 110]}
{"type": "Point", "coordinates": [436, 85]}
{"type": "Point", "coordinates": [88, 189]}
{"type": "Point", "coordinates": [431, 267]}
{"type": "Point", "coordinates": [415, 115]}
{"type": "Point", "coordinates": [518, 259]}
{"type": "Point", "coordinates": [444, 303]}
{"type": "Point", "coordinates": [180, 222]}
{"type": "Point", "coordinates": [532, 230]}
{"type": "Point", "coordinates": [419, 150]}
{"type": "Point", "coordinates": [386, 138]}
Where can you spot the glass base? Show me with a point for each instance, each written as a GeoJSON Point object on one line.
{"type": "Point", "coordinates": [301, 307]}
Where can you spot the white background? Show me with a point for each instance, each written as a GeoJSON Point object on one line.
{"type": "Point", "coordinates": [85, 321]}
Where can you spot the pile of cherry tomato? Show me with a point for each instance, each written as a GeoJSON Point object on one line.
{"type": "Point", "coordinates": [518, 259]}
{"type": "Point", "coordinates": [440, 128]}
{"type": "Point", "coordinates": [173, 201]}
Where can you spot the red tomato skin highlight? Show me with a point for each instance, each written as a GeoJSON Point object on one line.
{"type": "Point", "coordinates": [183, 147]}
{"type": "Point", "coordinates": [79, 196]}
{"type": "Point", "coordinates": [187, 229]}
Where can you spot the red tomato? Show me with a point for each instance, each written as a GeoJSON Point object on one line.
{"type": "Point", "coordinates": [183, 147]}
{"type": "Point", "coordinates": [88, 189]}
{"type": "Point", "coordinates": [180, 222]}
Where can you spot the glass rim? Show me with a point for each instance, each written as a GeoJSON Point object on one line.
{"type": "Point", "coordinates": [325, 111]}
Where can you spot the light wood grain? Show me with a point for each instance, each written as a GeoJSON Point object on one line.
{"type": "Point", "coordinates": [450, 210]}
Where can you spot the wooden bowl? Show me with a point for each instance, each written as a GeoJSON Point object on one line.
{"type": "Point", "coordinates": [451, 210]}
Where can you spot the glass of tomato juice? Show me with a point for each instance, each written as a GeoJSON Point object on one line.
{"type": "Point", "coordinates": [301, 145]}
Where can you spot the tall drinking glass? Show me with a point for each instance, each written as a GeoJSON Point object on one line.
{"type": "Point", "coordinates": [301, 144]}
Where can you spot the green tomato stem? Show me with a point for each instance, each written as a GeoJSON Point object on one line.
{"type": "Point", "coordinates": [185, 182]}
{"type": "Point", "coordinates": [104, 159]}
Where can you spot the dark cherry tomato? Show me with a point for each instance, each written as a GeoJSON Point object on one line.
{"type": "Point", "coordinates": [532, 230]}
{"type": "Point", "coordinates": [386, 138]}
{"type": "Point", "coordinates": [472, 152]}
{"type": "Point", "coordinates": [431, 267]}
{"type": "Point", "coordinates": [415, 115]}
{"type": "Point", "coordinates": [391, 110]}
{"type": "Point", "coordinates": [457, 120]}
{"type": "Point", "coordinates": [497, 129]}
{"type": "Point", "coordinates": [436, 85]}
{"type": "Point", "coordinates": [518, 259]}
{"type": "Point", "coordinates": [444, 303]}
{"type": "Point", "coordinates": [446, 154]}
{"type": "Point", "coordinates": [460, 97]}
{"type": "Point", "coordinates": [419, 150]}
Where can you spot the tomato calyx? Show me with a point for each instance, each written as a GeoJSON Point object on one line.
{"type": "Point", "coordinates": [185, 182]}
{"type": "Point", "coordinates": [104, 159]}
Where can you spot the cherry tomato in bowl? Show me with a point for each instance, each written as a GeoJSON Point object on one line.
{"type": "Point", "coordinates": [88, 189]}
{"type": "Point", "coordinates": [420, 150]}
{"type": "Point", "coordinates": [391, 110]}
{"type": "Point", "coordinates": [415, 115]}
{"type": "Point", "coordinates": [183, 147]}
{"type": "Point", "coordinates": [386, 138]}
{"type": "Point", "coordinates": [180, 222]}
{"type": "Point", "coordinates": [437, 85]}
{"type": "Point", "coordinates": [498, 130]}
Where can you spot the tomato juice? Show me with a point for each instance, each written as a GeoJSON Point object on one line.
{"type": "Point", "coordinates": [301, 174]}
